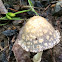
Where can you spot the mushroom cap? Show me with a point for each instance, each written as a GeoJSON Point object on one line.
{"type": "Point", "coordinates": [38, 35]}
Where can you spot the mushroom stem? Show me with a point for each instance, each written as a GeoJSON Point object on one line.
{"type": "Point", "coordinates": [37, 57]}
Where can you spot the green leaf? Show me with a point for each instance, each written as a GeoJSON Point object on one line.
{"type": "Point", "coordinates": [11, 14]}
{"type": "Point", "coordinates": [4, 24]}
{"type": "Point", "coordinates": [31, 5]}
{"type": "Point", "coordinates": [22, 11]}
{"type": "Point", "coordinates": [17, 19]}
{"type": "Point", "coordinates": [3, 18]}
{"type": "Point", "coordinates": [8, 17]}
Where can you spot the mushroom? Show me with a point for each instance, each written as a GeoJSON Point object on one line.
{"type": "Point", "coordinates": [38, 35]}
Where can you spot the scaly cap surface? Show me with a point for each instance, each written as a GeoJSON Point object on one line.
{"type": "Point", "coordinates": [38, 35]}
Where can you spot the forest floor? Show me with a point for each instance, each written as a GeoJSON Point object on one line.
{"type": "Point", "coordinates": [7, 38]}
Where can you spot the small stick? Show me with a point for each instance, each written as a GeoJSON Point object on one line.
{"type": "Point", "coordinates": [4, 48]}
{"type": "Point", "coordinates": [13, 9]}
{"type": "Point", "coordinates": [47, 7]}
{"type": "Point", "coordinates": [33, 7]}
